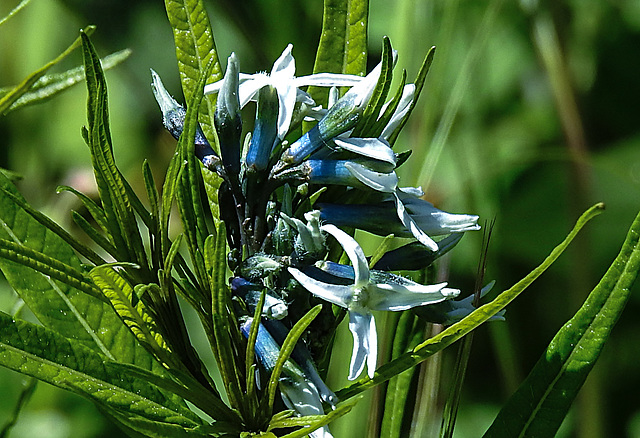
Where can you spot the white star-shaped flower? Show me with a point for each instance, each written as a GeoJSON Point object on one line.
{"type": "Point", "coordinates": [283, 79]}
{"type": "Point", "coordinates": [365, 295]}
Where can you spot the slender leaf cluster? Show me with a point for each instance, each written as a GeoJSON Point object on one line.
{"type": "Point", "coordinates": [266, 253]}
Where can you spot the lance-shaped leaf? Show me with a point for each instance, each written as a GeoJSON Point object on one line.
{"type": "Point", "coordinates": [195, 49]}
{"type": "Point", "coordinates": [49, 293]}
{"type": "Point", "coordinates": [9, 98]}
{"type": "Point", "coordinates": [131, 310]}
{"type": "Point", "coordinates": [68, 364]}
{"type": "Point", "coordinates": [479, 316]}
{"type": "Point", "coordinates": [114, 191]}
{"type": "Point", "coordinates": [541, 403]}
{"type": "Point", "coordinates": [50, 85]}
{"type": "Point", "coordinates": [343, 43]}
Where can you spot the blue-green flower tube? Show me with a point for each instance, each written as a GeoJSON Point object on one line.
{"type": "Point", "coordinates": [340, 118]}
{"type": "Point", "coordinates": [274, 307]}
{"type": "Point", "coordinates": [340, 172]}
{"type": "Point", "coordinates": [265, 132]}
{"type": "Point", "coordinates": [227, 118]}
{"type": "Point", "coordinates": [382, 218]}
{"type": "Point", "coordinates": [298, 392]}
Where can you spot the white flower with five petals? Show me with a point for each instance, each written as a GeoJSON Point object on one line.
{"type": "Point", "coordinates": [283, 79]}
{"type": "Point", "coordinates": [365, 295]}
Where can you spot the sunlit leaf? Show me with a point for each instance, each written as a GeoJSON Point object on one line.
{"type": "Point", "coordinates": [479, 316]}
{"type": "Point", "coordinates": [541, 403]}
{"type": "Point", "coordinates": [68, 364]}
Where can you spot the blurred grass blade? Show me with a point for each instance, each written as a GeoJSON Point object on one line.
{"type": "Point", "coordinates": [49, 85]}
{"type": "Point", "coordinates": [398, 405]}
{"type": "Point", "coordinates": [544, 398]}
{"type": "Point", "coordinates": [195, 49]}
{"type": "Point", "coordinates": [14, 11]}
{"type": "Point", "coordinates": [343, 43]}
{"type": "Point", "coordinates": [8, 99]}
{"type": "Point", "coordinates": [68, 364]}
{"type": "Point", "coordinates": [25, 395]}
{"type": "Point", "coordinates": [479, 316]}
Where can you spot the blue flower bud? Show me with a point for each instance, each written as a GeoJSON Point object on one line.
{"type": "Point", "coordinates": [265, 132]}
{"type": "Point", "coordinates": [227, 118]}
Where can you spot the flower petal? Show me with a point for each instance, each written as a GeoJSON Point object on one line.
{"type": "Point", "coordinates": [396, 297]}
{"type": "Point", "coordinates": [336, 294]}
{"type": "Point", "coordinates": [369, 147]}
{"type": "Point", "coordinates": [354, 252]}
{"type": "Point", "coordinates": [378, 181]}
{"type": "Point", "coordinates": [363, 329]}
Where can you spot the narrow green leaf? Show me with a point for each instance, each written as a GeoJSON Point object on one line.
{"type": "Point", "coordinates": [50, 85]}
{"type": "Point", "coordinates": [372, 110]}
{"type": "Point", "coordinates": [226, 356]}
{"type": "Point", "coordinates": [26, 257]}
{"type": "Point", "coordinates": [8, 99]}
{"type": "Point", "coordinates": [479, 316]}
{"type": "Point", "coordinates": [287, 348]}
{"type": "Point", "coordinates": [541, 403]}
{"type": "Point", "coordinates": [83, 250]}
{"type": "Point", "coordinates": [115, 193]}
{"type": "Point", "coordinates": [135, 316]}
{"type": "Point", "coordinates": [343, 42]}
{"type": "Point", "coordinates": [195, 49]}
{"type": "Point", "coordinates": [138, 426]}
{"type": "Point", "coordinates": [313, 422]}
{"type": "Point", "coordinates": [14, 11]}
{"type": "Point", "coordinates": [419, 83]}
{"type": "Point", "coordinates": [94, 234]}
{"type": "Point", "coordinates": [68, 364]}
{"type": "Point", "coordinates": [58, 306]}
{"type": "Point", "coordinates": [94, 209]}
{"type": "Point", "coordinates": [190, 184]}
{"type": "Point", "coordinates": [189, 389]}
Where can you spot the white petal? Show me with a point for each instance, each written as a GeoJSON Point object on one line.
{"type": "Point", "coordinates": [381, 182]}
{"type": "Point", "coordinates": [410, 224]}
{"type": "Point", "coordinates": [248, 89]}
{"type": "Point", "coordinates": [396, 297]}
{"type": "Point", "coordinates": [334, 293]}
{"type": "Point", "coordinates": [285, 66]}
{"type": "Point", "coordinates": [376, 148]}
{"type": "Point", "coordinates": [328, 80]}
{"type": "Point", "coordinates": [360, 325]}
{"type": "Point", "coordinates": [354, 252]}
{"type": "Point", "coordinates": [287, 95]}
{"type": "Point", "coordinates": [401, 111]}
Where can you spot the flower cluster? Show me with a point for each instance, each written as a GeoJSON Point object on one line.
{"type": "Point", "coordinates": [291, 198]}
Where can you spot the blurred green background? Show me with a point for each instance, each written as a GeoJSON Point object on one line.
{"type": "Point", "coordinates": [529, 116]}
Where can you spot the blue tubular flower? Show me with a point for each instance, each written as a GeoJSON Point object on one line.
{"type": "Point", "coordinates": [340, 118]}
{"type": "Point", "coordinates": [365, 295]}
{"type": "Point", "coordinates": [173, 115]}
{"type": "Point", "coordinates": [227, 118]}
{"type": "Point", "coordinates": [382, 218]}
{"type": "Point", "coordinates": [298, 392]}
{"type": "Point", "coordinates": [273, 307]}
{"type": "Point", "coordinates": [283, 78]}
{"type": "Point", "coordinates": [265, 131]}
{"type": "Point", "coordinates": [341, 172]}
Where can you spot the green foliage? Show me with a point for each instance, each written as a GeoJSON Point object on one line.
{"type": "Point", "coordinates": [543, 400]}
{"type": "Point", "coordinates": [115, 333]}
